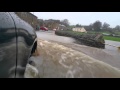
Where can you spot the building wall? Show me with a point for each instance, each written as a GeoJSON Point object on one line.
{"type": "Point", "coordinates": [28, 17]}
{"type": "Point", "coordinates": [79, 30]}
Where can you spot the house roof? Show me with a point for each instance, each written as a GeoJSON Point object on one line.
{"type": "Point", "coordinates": [32, 14]}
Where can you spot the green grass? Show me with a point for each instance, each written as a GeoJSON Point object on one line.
{"type": "Point", "coordinates": [107, 37]}
{"type": "Point", "coordinates": [111, 38]}
{"type": "Point", "coordinates": [93, 32]}
{"type": "Point", "coordinates": [76, 32]}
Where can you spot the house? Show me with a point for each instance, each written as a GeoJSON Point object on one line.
{"type": "Point", "coordinates": [52, 24]}
{"type": "Point", "coordinates": [29, 18]}
{"type": "Point", "coordinates": [79, 29]}
{"type": "Point", "coordinates": [61, 27]}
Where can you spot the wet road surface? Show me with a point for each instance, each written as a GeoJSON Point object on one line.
{"type": "Point", "coordinates": [51, 65]}
{"type": "Point", "coordinates": [110, 55]}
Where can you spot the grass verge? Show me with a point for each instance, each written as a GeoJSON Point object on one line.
{"type": "Point", "coordinates": [111, 38]}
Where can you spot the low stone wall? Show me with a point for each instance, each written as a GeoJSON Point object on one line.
{"type": "Point", "coordinates": [94, 40]}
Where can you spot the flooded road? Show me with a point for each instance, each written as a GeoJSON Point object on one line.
{"type": "Point", "coordinates": [109, 55]}
{"type": "Point", "coordinates": [57, 61]}
{"type": "Point", "coordinates": [49, 35]}
{"type": "Point", "coordinates": [62, 57]}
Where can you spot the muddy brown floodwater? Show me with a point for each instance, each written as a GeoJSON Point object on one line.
{"type": "Point", "coordinates": [109, 55]}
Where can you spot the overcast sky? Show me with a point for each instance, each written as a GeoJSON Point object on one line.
{"type": "Point", "coordinates": [83, 18]}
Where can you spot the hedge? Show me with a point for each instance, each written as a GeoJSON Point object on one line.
{"type": "Point", "coordinates": [92, 40]}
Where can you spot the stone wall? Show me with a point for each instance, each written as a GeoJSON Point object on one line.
{"type": "Point", "coordinates": [28, 17]}
{"type": "Point", "coordinates": [93, 40]}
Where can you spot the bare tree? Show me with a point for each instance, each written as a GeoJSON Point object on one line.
{"type": "Point", "coordinates": [105, 26]}
{"type": "Point", "coordinates": [117, 28]}
{"type": "Point", "coordinates": [78, 25]}
{"type": "Point", "coordinates": [97, 25]}
{"type": "Point", "coordinates": [65, 22]}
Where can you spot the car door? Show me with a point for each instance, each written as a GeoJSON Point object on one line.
{"type": "Point", "coordinates": [26, 38]}
{"type": "Point", "coordinates": [8, 54]}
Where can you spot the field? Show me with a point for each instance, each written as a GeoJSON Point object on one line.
{"type": "Point", "coordinates": [112, 38]}
{"type": "Point", "coordinates": [99, 32]}
{"type": "Point", "coordinates": [107, 37]}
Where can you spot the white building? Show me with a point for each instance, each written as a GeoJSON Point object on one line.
{"type": "Point", "coordinates": [61, 27]}
{"type": "Point", "coordinates": [79, 29]}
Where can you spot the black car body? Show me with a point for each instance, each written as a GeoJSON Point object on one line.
{"type": "Point", "coordinates": [17, 43]}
